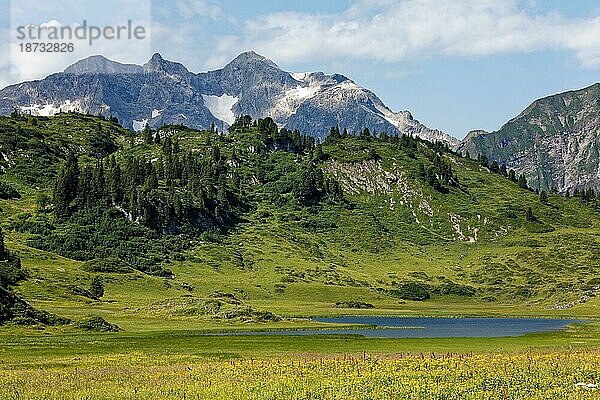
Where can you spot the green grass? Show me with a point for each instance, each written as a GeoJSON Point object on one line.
{"type": "Point", "coordinates": [21, 347]}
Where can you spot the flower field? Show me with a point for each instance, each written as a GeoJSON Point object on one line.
{"type": "Point", "coordinates": [527, 375]}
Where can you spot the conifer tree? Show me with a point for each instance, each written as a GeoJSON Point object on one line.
{"type": "Point", "coordinates": [502, 170]}
{"type": "Point", "coordinates": [66, 186]}
{"type": "Point", "coordinates": [529, 215]}
{"type": "Point", "coordinates": [96, 288]}
{"type": "Point", "coordinates": [543, 197]}
{"type": "Point", "coordinates": [147, 134]}
{"type": "Point", "coordinates": [494, 167]}
{"type": "Point", "coordinates": [522, 182]}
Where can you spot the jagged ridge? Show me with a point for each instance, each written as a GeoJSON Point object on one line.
{"type": "Point", "coordinates": [165, 92]}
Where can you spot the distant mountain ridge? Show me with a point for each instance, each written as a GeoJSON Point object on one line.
{"type": "Point", "coordinates": [165, 92]}
{"type": "Point", "coordinates": [554, 142]}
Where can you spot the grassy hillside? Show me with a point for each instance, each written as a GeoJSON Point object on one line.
{"type": "Point", "coordinates": [416, 229]}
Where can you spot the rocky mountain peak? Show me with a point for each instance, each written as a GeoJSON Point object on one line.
{"type": "Point", "coordinates": [98, 64]}
{"type": "Point", "coordinates": [158, 64]}
{"type": "Point", "coordinates": [166, 92]}
{"type": "Point", "coordinates": [250, 59]}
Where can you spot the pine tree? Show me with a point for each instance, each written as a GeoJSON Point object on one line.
{"type": "Point", "coordinates": [494, 167]}
{"type": "Point", "coordinates": [334, 134]}
{"type": "Point", "coordinates": [318, 152]}
{"type": "Point", "coordinates": [99, 188]}
{"type": "Point", "coordinates": [3, 250]}
{"type": "Point", "coordinates": [115, 189]}
{"type": "Point", "coordinates": [72, 176]}
{"type": "Point", "coordinates": [543, 197]}
{"type": "Point", "coordinates": [100, 144]}
{"type": "Point", "coordinates": [308, 189]}
{"type": "Point", "coordinates": [522, 182]}
{"type": "Point", "coordinates": [11, 270]}
{"type": "Point", "coordinates": [502, 170]}
{"type": "Point", "coordinates": [151, 182]}
{"type": "Point", "coordinates": [60, 196]}
{"type": "Point", "coordinates": [96, 288]}
{"type": "Point", "coordinates": [66, 186]}
{"type": "Point", "coordinates": [529, 215]}
{"type": "Point", "coordinates": [421, 171]}
{"type": "Point", "coordinates": [147, 134]}
{"type": "Point", "coordinates": [86, 196]}
{"type": "Point", "coordinates": [483, 160]}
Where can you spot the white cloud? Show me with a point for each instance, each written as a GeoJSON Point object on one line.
{"type": "Point", "coordinates": [387, 31]}
{"type": "Point", "coordinates": [202, 8]}
{"type": "Point", "coordinates": [392, 31]}
{"type": "Point", "coordinates": [36, 65]}
{"type": "Point", "coordinates": [51, 24]}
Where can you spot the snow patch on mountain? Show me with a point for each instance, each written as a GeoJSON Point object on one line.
{"type": "Point", "coordinates": [139, 125]}
{"type": "Point", "coordinates": [301, 92]}
{"type": "Point", "coordinates": [299, 76]}
{"type": "Point", "coordinates": [47, 110]}
{"type": "Point", "coordinates": [221, 107]}
{"type": "Point", "coordinates": [348, 85]}
{"type": "Point", "coordinates": [291, 99]}
{"type": "Point", "coordinates": [156, 113]}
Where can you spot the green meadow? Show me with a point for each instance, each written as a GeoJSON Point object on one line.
{"type": "Point", "coordinates": [281, 230]}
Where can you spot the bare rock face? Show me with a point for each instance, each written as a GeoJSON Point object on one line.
{"type": "Point", "coordinates": [555, 141]}
{"type": "Point", "coordinates": [164, 92]}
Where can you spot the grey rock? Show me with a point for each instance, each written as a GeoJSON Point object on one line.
{"type": "Point", "coordinates": [555, 142]}
{"type": "Point", "coordinates": [166, 92]}
{"type": "Point", "coordinates": [100, 65]}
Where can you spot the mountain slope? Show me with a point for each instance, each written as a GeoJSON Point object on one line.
{"type": "Point", "coordinates": [554, 142]}
{"type": "Point", "coordinates": [207, 227]}
{"type": "Point", "coordinates": [164, 92]}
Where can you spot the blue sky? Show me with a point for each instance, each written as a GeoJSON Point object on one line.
{"type": "Point", "coordinates": [457, 66]}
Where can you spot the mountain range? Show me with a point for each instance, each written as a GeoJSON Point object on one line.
{"type": "Point", "coordinates": [554, 142]}
{"type": "Point", "coordinates": [164, 92]}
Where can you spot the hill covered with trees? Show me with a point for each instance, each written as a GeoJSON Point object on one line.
{"type": "Point", "coordinates": [177, 223]}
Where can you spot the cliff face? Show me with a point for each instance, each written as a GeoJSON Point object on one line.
{"type": "Point", "coordinates": [554, 142]}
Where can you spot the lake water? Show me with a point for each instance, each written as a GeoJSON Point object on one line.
{"type": "Point", "coordinates": [417, 327]}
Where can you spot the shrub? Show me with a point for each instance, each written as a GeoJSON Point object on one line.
{"type": "Point", "coordinates": [110, 264]}
{"type": "Point", "coordinates": [456, 289]}
{"type": "Point", "coordinates": [353, 304]}
{"type": "Point", "coordinates": [97, 288]}
{"type": "Point", "coordinates": [98, 324]}
{"type": "Point", "coordinates": [14, 309]}
{"type": "Point", "coordinates": [8, 192]}
{"type": "Point", "coordinates": [11, 271]}
{"type": "Point", "coordinates": [410, 291]}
